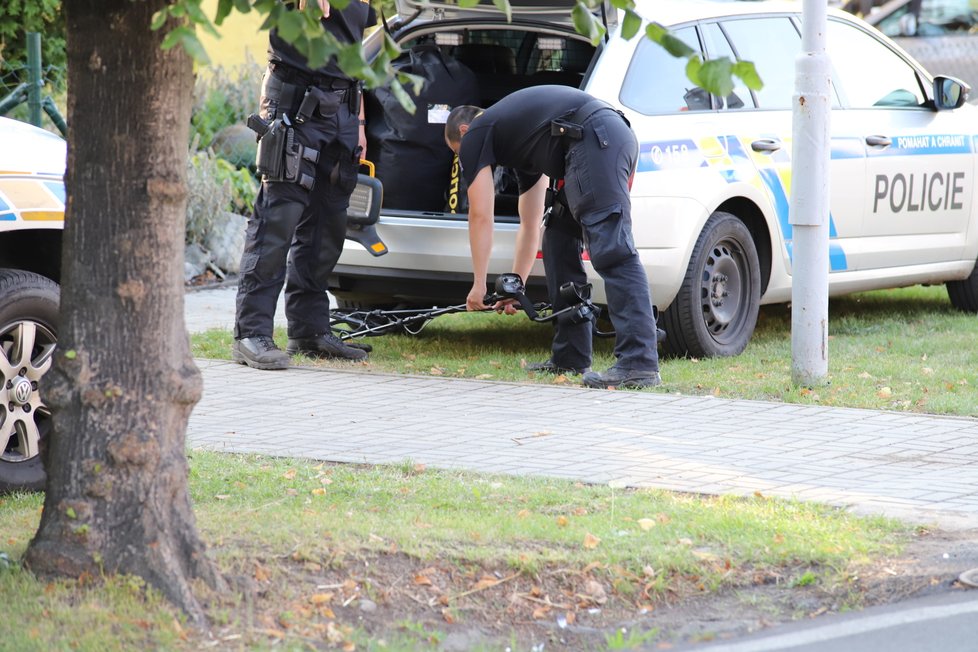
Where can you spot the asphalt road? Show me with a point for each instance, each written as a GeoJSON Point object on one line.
{"type": "Point", "coordinates": [941, 623]}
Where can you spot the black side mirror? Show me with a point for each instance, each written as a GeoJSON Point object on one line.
{"type": "Point", "coordinates": [949, 93]}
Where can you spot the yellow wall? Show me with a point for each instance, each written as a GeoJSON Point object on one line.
{"type": "Point", "coordinates": [240, 37]}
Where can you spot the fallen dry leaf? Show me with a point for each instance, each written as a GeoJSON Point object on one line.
{"type": "Point", "coordinates": [541, 612]}
{"type": "Point", "coordinates": [320, 598]}
{"type": "Point", "coordinates": [885, 392]}
{"type": "Point", "coordinates": [447, 615]}
{"type": "Point", "coordinates": [646, 523]}
{"type": "Point", "coordinates": [595, 592]}
{"type": "Point", "coordinates": [436, 371]}
{"type": "Point", "coordinates": [562, 521]}
{"type": "Point", "coordinates": [590, 541]}
{"type": "Point", "coordinates": [318, 491]}
{"type": "Point", "coordinates": [485, 582]}
{"type": "Point", "coordinates": [289, 475]}
{"type": "Point", "coordinates": [421, 580]}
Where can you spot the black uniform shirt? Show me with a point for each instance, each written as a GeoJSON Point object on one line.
{"type": "Point", "coordinates": [346, 25]}
{"type": "Point", "coordinates": [515, 132]}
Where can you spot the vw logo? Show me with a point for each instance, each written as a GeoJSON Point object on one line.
{"type": "Point", "coordinates": [21, 391]}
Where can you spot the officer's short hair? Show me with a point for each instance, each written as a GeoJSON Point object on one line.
{"type": "Point", "coordinates": [460, 115]}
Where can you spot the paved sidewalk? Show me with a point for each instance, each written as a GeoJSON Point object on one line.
{"type": "Point", "coordinates": [920, 467]}
{"type": "Point", "coordinates": [914, 466]}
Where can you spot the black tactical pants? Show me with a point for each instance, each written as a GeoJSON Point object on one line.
{"type": "Point", "coordinates": [596, 186]}
{"type": "Point", "coordinates": [296, 235]}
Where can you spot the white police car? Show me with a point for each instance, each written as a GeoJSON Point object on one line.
{"type": "Point", "coordinates": [32, 203]}
{"type": "Point", "coordinates": [710, 196]}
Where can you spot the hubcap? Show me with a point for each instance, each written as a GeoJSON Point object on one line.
{"type": "Point", "coordinates": [26, 350]}
{"type": "Point", "coordinates": [723, 287]}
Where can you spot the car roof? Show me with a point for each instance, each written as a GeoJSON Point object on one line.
{"type": "Point", "coordinates": [670, 12]}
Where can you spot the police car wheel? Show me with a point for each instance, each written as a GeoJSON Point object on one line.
{"type": "Point", "coordinates": [28, 327]}
{"type": "Point", "coordinates": [964, 294]}
{"type": "Point", "coordinates": [715, 311]}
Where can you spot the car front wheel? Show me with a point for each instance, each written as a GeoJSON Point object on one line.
{"type": "Point", "coordinates": [715, 311]}
{"type": "Point", "coordinates": [964, 294]}
{"type": "Point", "coordinates": [28, 328]}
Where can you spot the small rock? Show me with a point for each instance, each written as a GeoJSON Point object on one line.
{"type": "Point", "coordinates": [368, 606]}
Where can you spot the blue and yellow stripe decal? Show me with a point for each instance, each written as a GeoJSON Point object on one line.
{"type": "Point", "coordinates": [735, 161]}
{"type": "Point", "coordinates": [28, 198]}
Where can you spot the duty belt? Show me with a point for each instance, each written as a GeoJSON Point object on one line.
{"type": "Point", "coordinates": [573, 127]}
{"type": "Point", "coordinates": [299, 77]}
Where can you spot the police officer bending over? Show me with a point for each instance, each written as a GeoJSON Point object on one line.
{"type": "Point", "coordinates": [312, 138]}
{"type": "Point", "coordinates": [565, 134]}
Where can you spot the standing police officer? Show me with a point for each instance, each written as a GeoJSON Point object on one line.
{"type": "Point", "coordinates": [565, 134]}
{"type": "Point", "coordinates": [312, 139]}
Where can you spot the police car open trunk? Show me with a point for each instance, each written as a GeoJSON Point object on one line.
{"type": "Point", "coordinates": [466, 56]}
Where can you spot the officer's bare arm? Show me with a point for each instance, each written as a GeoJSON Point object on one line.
{"type": "Point", "coordinates": [528, 237]}
{"type": "Point", "coordinates": [482, 195]}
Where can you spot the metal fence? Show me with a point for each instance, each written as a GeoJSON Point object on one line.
{"type": "Point", "coordinates": [23, 86]}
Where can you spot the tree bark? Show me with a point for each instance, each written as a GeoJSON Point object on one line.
{"type": "Point", "coordinates": [123, 382]}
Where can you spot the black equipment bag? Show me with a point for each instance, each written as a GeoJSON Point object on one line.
{"type": "Point", "coordinates": [409, 151]}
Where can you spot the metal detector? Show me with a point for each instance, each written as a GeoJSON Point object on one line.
{"type": "Point", "coordinates": [347, 324]}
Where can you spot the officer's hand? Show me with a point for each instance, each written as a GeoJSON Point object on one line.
{"type": "Point", "coordinates": [506, 305]}
{"type": "Point", "coordinates": [476, 294]}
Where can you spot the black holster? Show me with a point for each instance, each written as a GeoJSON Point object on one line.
{"type": "Point", "coordinates": [280, 154]}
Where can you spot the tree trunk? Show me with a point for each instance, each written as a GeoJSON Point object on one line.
{"type": "Point", "coordinates": [123, 382]}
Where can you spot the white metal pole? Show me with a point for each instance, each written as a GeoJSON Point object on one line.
{"type": "Point", "coordinates": [809, 208]}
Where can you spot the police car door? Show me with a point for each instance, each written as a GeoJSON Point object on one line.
{"type": "Point", "coordinates": [773, 43]}
{"type": "Point", "coordinates": [920, 162]}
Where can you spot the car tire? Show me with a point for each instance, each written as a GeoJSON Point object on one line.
{"type": "Point", "coordinates": [28, 314]}
{"type": "Point", "coordinates": [964, 294]}
{"type": "Point", "coordinates": [715, 311]}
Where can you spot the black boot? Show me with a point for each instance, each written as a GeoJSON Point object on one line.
{"type": "Point", "coordinates": [621, 378]}
{"type": "Point", "coordinates": [550, 367]}
{"type": "Point", "coordinates": [325, 346]}
{"type": "Point", "coordinates": [259, 352]}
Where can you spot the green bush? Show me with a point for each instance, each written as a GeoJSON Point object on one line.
{"type": "Point", "coordinates": [223, 98]}
{"type": "Point", "coordinates": [215, 186]}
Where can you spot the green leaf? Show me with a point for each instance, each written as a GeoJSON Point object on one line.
{"type": "Point", "coordinates": [176, 35]}
{"type": "Point", "coordinates": [693, 66]}
{"type": "Point", "coordinates": [716, 76]}
{"type": "Point", "coordinates": [627, 5]}
{"type": "Point", "coordinates": [195, 13]}
{"type": "Point", "coordinates": [244, 6]}
{"type": "Point", "coordinates": [675, 47]}
{"type": "Point", "coordinates": [748, 74]}
{"type": "Point", "coordinates": [467, 4]}
{"type": "Point", "coordinates": [402, 96]}
{"type": "Point", "coordinates": [290, 26]}
{"type": "Point", "coordinates": [391, 48]}
{"type": "Point", "coordinates": [654, 32]}
{"type": "Point", "coordinates": [71, 354]}
{"type": "Point", "coordinates": [70, 513]}
{"type": "Point", "coordinates": [586, 24]}
{"type": "Point", "coordinates": [195, 48]}
{"type": "Point", "coordinates": [224, 8]}
{"type": "Point", "coordinates": [503, 6]}
{"type": "Point", "coordinates": [631, 24]}
{"type": "Point", "coordinates": [159, 19]}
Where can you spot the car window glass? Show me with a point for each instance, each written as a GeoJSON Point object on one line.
{"type": "Point", "coordinates": [656, 81]}
{"type": "Point", "coordinates": [717, 47]}
{"type": "Point", "coordinates": [773, 44]}
{"type": "Point", "coordinates": [882, 78]}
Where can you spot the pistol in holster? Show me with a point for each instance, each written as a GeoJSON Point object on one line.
{"type": "Point", "coordinates": [279, 153]}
